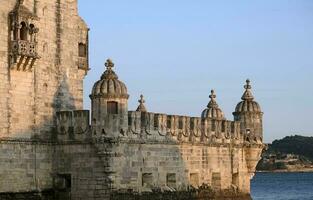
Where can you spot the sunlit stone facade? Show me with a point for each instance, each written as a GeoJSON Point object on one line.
{"type": "Point", "coordinates": [51, 148]}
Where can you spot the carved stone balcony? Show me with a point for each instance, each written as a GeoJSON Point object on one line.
{"type": "Point", "coordinates": [82, 63]}
{"type": "Point", "coordinates": [24, 48]}
{"type": "Point", "coordinates": [23, 54]}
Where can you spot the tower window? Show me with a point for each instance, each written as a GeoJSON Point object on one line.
{"type": "Point", "coordinates": [23, 31]}
{"type": "Point", "coordinates": [194, 179]}
{"type": "Point", "coordinates": [147, 180]}
{"type": "Point", "coordinates": [82, 50]}
{"type": "Point", "coordinates": [171, 180]}
{"type": "Point", "coordinates": [112, 107]}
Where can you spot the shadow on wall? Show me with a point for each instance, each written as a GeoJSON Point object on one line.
{"type": "Point", "coordinates": [161, 157]}
{"type": "Point", "coordinates": [62, 100]}
{"type": "Point", "coordinates": [27, 168]}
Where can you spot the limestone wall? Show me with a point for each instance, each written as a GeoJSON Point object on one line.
{"type": "Point", "coordinates": [25, 166]}
{"type": "Point", "coordinates": [5, 8]}
{"type": "Point", "coordinates": [86, 168]}
{"type": "Point", "coordinates": [55, 82]}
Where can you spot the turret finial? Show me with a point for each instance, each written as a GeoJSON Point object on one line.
{"type": "Point", "coordinates": [141, 100]}
{"type": "Point", "coordinates": [212, 103]}
{"type": "Point", "coordinates": [109, 64]}
{"type": "Point", "coordinates": [247, 86]}
{"type": "Point", "coordinates": [109, 73]}
{"type": "Point", "coordinates": [212, 96]}
{"type": "Point", "coordinates": [141, 107]}
{"type": "Point", "coordinates": [247, 95]}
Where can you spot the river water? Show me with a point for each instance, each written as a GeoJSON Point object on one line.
{"type": "Point", "coordinates": [282, 186]}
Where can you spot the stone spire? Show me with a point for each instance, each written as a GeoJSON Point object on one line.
{"type": "Point", "coordinates": [141, 107]}
{"type": "Point", "coordinates": [109, 73]}
{"type": "Point", "coordinates": [247, 95]}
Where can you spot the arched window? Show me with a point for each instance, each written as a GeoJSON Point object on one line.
{"type": "Point", "coordinates": [23, 31]}
{"type": "Point", "coordinates": [112, 107]}
{"type": "Point", "coordinates": [31, 31]}
{"type": "Point", "coordinates": [82, 50]}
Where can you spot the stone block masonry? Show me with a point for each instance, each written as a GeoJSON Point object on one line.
{"type": "Point", "coordinates": [51, 149]}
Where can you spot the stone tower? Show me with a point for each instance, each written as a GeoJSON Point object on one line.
{"type": "Point", "coordinates": [43, 60]}
{"type": "Point", "coordinates": [249, 113]}
{"type": "Point", "coordinates": [109, 104]}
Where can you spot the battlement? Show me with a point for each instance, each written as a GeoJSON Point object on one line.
{"type": "Point", "coordinates": [157, 126]}
{"type": "Point", "coordinates": [73, 125]}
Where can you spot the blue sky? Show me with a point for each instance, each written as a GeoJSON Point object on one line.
{"type": "Point", "coordinates": [175, 51]}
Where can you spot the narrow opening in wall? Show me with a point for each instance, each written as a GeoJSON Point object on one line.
{"type": "Point", "coordinates": [143, 119]}
{"type": "Point", "coordinates": [192, 124]}
{"type": "Point", "coordinates": [216, 180]}
{"type": "Point", "coordinates": [194, 179]}
{"type": "Point", "coordinates": [213, 125]}
{"type": "Point", "coordinates": [63, 184]}
{"type": "Point", "coordinates": [112, 107]}
{"type": "Point", "coordinates": [168, 122]}
{"type": "Point", "coordinates": [232, 127]}
{"type": "Point", "coordinates": [82, 50]}
{"type": "Point", "coordinates": [223, 126]}
{"type": "Point", "coordinates": [171, 180]}
{"type": "Point", "coordinates": [129, 120]}
{"type": "Point", "coordinates": [156, 121]}
{"type": "Point", "coordinates": [23, 31]}
{"type": "Point", "coordinates": [180, 123]}
{"type": "Point", "coordinates": [147, 180]}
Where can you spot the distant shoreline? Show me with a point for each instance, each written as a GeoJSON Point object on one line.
{"type": "Point", "coordinates": [286, 171]}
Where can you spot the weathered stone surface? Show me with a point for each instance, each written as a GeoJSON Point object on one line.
{"type": "Point", "coordinates": [30, 96]}
{"type": "Point", "coordinates": [47, 142]}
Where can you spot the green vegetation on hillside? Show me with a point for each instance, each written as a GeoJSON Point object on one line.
{"type": "Point", "coordinates": [298, 145]}
{"type": "Point", "coordinates": [291, 153]}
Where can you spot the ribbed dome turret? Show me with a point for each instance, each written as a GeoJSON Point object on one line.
{"type": "Point", "coordinates": [109, 85]}
{"type": "Point", "coordinates": [247, 104]}
{"type": "Point", "coordinates": [213, 111]}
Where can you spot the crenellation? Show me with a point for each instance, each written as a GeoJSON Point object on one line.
{"type": "Point", "coordinates": [47, 142]}
{"type": "Point", "coordinates": [162, 127]}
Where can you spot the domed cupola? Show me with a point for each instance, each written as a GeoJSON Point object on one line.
{"type": "Point", "coordinates": [249, 114]}
{"type": "Point", "coordinates": [247, 104]}
{"type": "Point", "coordinates": [213, 111]}
{"type": "Point", "coordinates": [109, 102]}
{"type": "Point", "coordinates": [109, 86]}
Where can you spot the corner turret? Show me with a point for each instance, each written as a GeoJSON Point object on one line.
{"type": "Point", "coordinates": [249, 114]}
{"type": "Point", "coordinates": [109, 104]}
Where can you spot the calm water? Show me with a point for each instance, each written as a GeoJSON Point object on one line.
{"type": "Point", "coordinates": [282, 186]}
